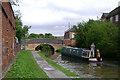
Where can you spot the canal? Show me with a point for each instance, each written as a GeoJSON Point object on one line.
{"type": "Point", "coordinates": [105, 69]}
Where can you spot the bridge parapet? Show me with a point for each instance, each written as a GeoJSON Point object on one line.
{"type": "Point", "coordinates": [44, 40]}
{"type": "Point", "coordinates": [31, 44]}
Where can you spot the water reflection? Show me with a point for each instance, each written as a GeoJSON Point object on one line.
{"type": "Point", "coordinates": [86, 69]}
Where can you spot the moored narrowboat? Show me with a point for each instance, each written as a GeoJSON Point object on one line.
{"type": "Point", "coordinates": [91, 55]}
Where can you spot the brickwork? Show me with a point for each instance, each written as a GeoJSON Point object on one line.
{"type": "Point", "coordinates": [69, 40]}
{"type": "Point", "coordinates": [34, 45]}
{"type": "Point", "coordinates": [116, 22]}
{"type": "Point", "coordinates": [8, 46]}
{"type": "Point", "coordinates": [0, 42]}
{"type": "Point", "coordinates": [113, 14]}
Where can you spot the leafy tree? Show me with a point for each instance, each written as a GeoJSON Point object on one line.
{"type": "Point", "coordinates": [18, 24]}
{"type": "Point", "coordinates": [20, 31]}
{"type": "Point", "coordinates": [15, 2]}
{"type": "Point", "coordinates": [32, 36]}
{"type": "Point", "coordinates": [41, 35]}
{"type": "Point", "coordinates": [47, 35]}
{"type": "Point", "coordinates": [103, 34]}
{"type": "Point", "coordinates": [45, 49]}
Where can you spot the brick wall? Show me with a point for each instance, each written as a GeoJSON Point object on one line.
{"type": "Point", "coordinates": [9, 46]}
{"type": "Point", "coordinates": [68, 39]}
{"type": "Point", "coordinates": [34, 45]}
{"type": "Point", "coordinates": [66, 36]}
{"type": "Point", "coordinates": [70, 42]}
{"type": "Point", "coordinates": [116, 22]}
{"type": "Point", "coordinates": [0, 42]}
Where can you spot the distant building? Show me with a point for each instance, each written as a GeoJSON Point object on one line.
{"type": "Point", "coordinates": [8, 46]}
{"type": "Point", "coordinates": [60, 37]}
{"type": "Point", "coordinates": [104, 15]}
{"type": "Point", "coordinates": [69, 37]}
{"type": "Point", "coordinates": [113, 16]}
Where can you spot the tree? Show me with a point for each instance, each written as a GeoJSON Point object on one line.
{"type": "Point", "coordinates": [103, 34]}
{"type": "Point", "coordinates": [15, 2]}
{"type": "Point", "coordinates": [20, 31]}
{"type": "Point", "coordinates": [41, 35]}
{"type": "Point", "coordinates": [25, 30]}
{"type": "Point", "coordinates": [18, 24]}
{"type": "Point", "coordinates": [49, 35]}
{"type": "Point", "coordinates": [32, 36]}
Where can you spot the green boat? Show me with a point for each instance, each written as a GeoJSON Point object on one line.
{"type": "Point", "coordinates": [91, 55]}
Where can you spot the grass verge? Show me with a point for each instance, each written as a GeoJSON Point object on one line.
{"type": "Point", "coordinates": [67, 72]}
{"type": "Point", "coordinates": [25, 67]}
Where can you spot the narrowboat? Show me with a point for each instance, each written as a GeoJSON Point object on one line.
{"type": "Point", "coordinates": [90, 55]}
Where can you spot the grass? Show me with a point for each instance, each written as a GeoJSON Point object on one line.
{"type": "Point", "coordinates": [67, 72]}
{"type": "Point", "coordinates": [25, 67]}
{"type": "Point", "coordinates": [59, 50]}
{"type": "Point", "coordinates": [46, 53]}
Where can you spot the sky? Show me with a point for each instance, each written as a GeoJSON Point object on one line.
{"type": "Point", "coordinates": [53, 16]}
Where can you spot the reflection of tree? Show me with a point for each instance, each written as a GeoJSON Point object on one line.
{"type": "Point", "coordinates": [95, 69]}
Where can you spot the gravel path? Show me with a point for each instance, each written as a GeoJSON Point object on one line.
{"type": "Point", "coordinates": [52, 72]}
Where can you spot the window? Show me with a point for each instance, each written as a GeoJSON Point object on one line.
{"type": "Point", "coordinates": [116, 18]}
{"type": "Point", "coordinates": [111, 19]}
{"type": "Point", "coordinates": [73, 35]}
{"type": "Point", "coordinates": [73, 51]}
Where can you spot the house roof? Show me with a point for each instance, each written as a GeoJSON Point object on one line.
{"type": "Point", "coordinates": [104, 14]}
{"type": "Point", "coordinates": [114, 12]}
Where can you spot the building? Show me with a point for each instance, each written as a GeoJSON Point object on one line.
{"type": "Point", "coordinates": [113, 16]}
{"type": "Point", "coordinates": [69, 37]}
{"type": "Point", "coordinates": [104, 15]}
{"type": "Point", "coordinates": [60, 37]}
{"type": "Point", "coordinates": [8, 46]}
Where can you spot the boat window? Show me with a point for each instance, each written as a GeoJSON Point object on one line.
{"type": "Point", "coordinates": [73, 51]}
{"type": "Point", "coordinates": [77, 52]}
{"type": "Point", "coordinates": [85, 54]}
{"type": "Point", "coordinates": [70, 50]}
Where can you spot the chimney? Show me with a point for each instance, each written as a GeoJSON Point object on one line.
{"type": "Point", "coordinates": [118, 3]}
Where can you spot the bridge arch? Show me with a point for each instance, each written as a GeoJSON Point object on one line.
{"type": "Point", "coordinates": [31, 44]}
{"type": "Point", "coordinates": [52, 48]}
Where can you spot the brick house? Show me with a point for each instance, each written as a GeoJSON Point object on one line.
{"type": "Point", "coordinates": [8, 46]}
{"type": "Point", "coordinates": [69, 37]}
{"type": "Point", "coordinates": [104, 15]}
{"type": "Point", "coordinates": [113, 16]}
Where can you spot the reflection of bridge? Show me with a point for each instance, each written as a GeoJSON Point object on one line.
{"type": "Point", "coordinates": [31, 44]}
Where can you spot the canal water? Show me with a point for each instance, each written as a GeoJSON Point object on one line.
{"type": "Point", "coordinates": [105, 69]}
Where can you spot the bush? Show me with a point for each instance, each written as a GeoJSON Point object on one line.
{"type": "Point", "coordinates": [103, 34]}
{"type": "Point", "coordinates": [45, 49]}
{"type": "Point", "coordinates": [59, 50]}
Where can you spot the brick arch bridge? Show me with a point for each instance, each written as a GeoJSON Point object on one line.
{"type": "Point", "coordinates": [31, 44]}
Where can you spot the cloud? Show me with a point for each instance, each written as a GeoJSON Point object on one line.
{"type": "Point", "coordinates": [53, 15]}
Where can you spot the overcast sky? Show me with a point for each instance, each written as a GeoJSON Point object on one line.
{"type": "Point", "coordinates": [52, 16]}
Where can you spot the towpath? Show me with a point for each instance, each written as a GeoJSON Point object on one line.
{"type": "Point", "coordinates": [52, 72]}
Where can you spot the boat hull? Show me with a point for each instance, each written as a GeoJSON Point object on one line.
{"type": "Point", "coordinates": [82, 53]}
{"type": "Point", "coordinates": [95, 59]}
{"type": "Point", "coordinates": [76, 57]}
